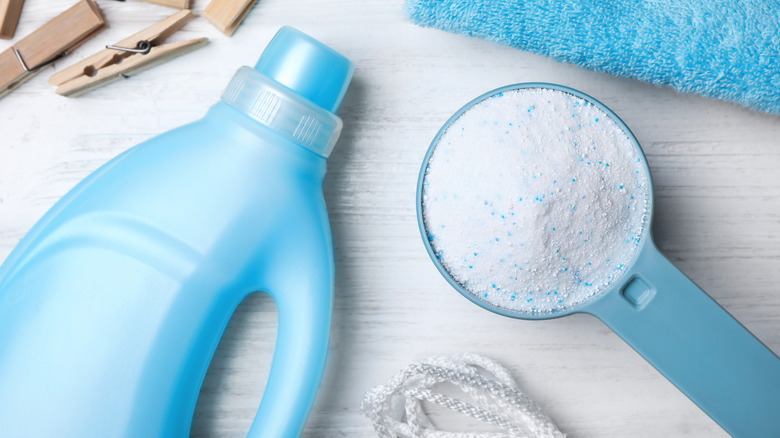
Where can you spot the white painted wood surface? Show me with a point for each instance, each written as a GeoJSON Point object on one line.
{"type": "Point", "coordinates": [717, 211]}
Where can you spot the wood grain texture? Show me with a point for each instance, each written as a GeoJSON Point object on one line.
{"type": "Point", "coordinates": [717, 211]}
{"type": "Point", "coordinates": [57, 37]}
{"type": "Point", "coordinates": [227, 15]}
{"type": "Point", "coordinates": [155, 34]}
{"type": "Point", "coordinates": [10, 10]}
{"type": "Point", "coordinates": [179, 4]}
{"type": "Point", "coordinates": [110, 64]}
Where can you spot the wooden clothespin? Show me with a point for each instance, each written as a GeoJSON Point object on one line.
{"type": "Point", "coordinates": [226, 15]}
{"type": "Point", "coordinates": [127, 57]}
{"type": "Point", "coordinates": [58, 37]}
{"type": "Point", "coordinates": [9, 17]}
{"type": "Point", "coordinates": [180, 4]}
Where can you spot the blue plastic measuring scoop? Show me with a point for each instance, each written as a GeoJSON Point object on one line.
{"type": "Point", "coordinates": [664, 316]}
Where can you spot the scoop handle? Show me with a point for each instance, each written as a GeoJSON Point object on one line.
{"type": "Point", "coordinates": [696, 344]}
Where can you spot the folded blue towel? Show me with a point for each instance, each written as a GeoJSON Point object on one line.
{"type": "Point", "coordinates": [727, 49]}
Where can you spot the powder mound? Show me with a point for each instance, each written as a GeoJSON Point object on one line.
{"type": "Point", "coordinates": [535, 200]}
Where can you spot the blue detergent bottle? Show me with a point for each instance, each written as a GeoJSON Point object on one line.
{"type": "Point", "coordinates": [112, 306]}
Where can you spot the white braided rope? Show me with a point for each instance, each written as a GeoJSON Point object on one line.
{"type": "Point", "coordinates": [493, 397]}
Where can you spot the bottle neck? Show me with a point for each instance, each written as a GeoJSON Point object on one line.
{"type": "Point", "coordinates": [283, 111]}
{"type": "Point", "coordinates": [245, 131]}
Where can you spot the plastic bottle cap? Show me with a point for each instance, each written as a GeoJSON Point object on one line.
{"type": "Point", "coordinates": [294, 90]}
{"type": "Point", "coordinates": [307, 67]}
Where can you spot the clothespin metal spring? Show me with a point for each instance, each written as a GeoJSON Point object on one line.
{"type": "Point", "coordinates": [143, 47]}
{"type": "Point", "coordinates": [38, 67]}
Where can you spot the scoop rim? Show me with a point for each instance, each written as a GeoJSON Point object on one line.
{"type": "Point", "coordinates": [582, 307]}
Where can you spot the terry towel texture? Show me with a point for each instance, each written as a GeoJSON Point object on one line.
{"type": "Point", "coordinates": [727, 49]}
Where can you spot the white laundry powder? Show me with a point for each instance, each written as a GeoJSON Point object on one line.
{"type": "Point", "coordinates": [535, 200]}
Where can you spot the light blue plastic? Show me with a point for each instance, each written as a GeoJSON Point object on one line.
{"type": "Point", "coordinates": [303, 64]}
{"type": "Point", "coordinates": [113, 304]}
{"type": "Point", "coordinates": [670, 321]}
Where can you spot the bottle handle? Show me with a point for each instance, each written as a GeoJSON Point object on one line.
{"type": "Point", "coordinates": [696, 344]}
{"type": "Point", "coordinates": [304, 299]}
